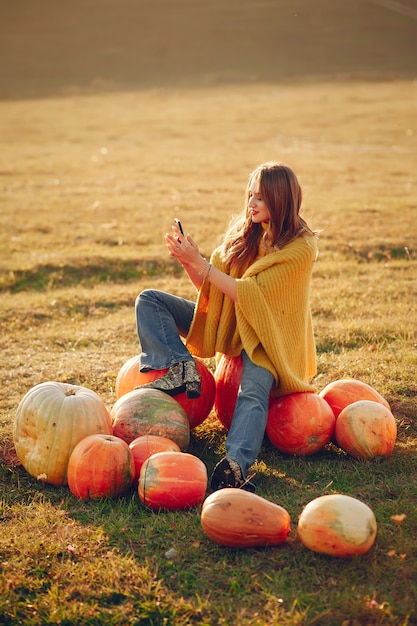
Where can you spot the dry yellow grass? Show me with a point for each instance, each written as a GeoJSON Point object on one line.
{"type": "Point", "coordinates": [90, 183]}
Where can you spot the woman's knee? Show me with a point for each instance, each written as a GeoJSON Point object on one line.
{"type": "Point", "coordinates": [145, 296]}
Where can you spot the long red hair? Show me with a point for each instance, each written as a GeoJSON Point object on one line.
{"type": "Point", "coordinates": [282, 194]}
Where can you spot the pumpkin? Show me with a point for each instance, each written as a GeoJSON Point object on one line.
{"type": "Point", "coordinates": [150, 412]}
{"type": "Point", "coordinates": [172, 481]}
{"type": "Point", "coordinates": [341, 393]}
{"type": "Point", "coordinates": [196, 409]}
{"type": "Point", "coordinates": [240, 519]}
{"type": "Point", "coordinates": [100, 466]}
{"type": "Point", "coordinates": [146, 445]}
{"type": "Point", "coordinates": [300, 423]}
{"type": "Point", "coordinates": [366, 429]}
{"type": "Point", "coordinates": [50, 420]}
{"type": "Point", "coordinates": [227, 376]}
{"type": "Point", "coordinates": [337, 525]}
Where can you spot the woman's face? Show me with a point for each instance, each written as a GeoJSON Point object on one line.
{"type": "Point", "coordinates": [257, 207]}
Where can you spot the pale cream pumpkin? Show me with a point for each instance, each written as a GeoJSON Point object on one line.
{"type": "Point", "coordinates": [50, 420]}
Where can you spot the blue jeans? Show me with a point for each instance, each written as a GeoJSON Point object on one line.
{"type": "Point", "coordinates": [250, 416]}
{"type": "Point", "coordinates": [160, 320]}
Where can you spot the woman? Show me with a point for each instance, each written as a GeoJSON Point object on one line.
{"type": "Point", "coordinates": [253, 300]}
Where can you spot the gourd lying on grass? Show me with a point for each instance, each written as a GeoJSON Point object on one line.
{"type": "Point", "coordinates": [172, 481]}
{"type": "Point", "coordinates": [150, 412]}
{"type": "Point", "coordinates": [341, 393]}
{"type": "Point", "coordinates": [100, 466]}
{"type": "Point", "coordinates": [196, 409]}
{"type": "Point", "coordinates": [239, 519]}
{"type": "Point", "coordinates": [143, 447]}
{"type": "Point", "coordinates": [366, 429]}
{"type": "Point", "coordinates": [337, 525]}
{"type": "Point", "coordinates": [50, 420]}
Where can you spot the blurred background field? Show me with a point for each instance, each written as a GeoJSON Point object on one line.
{"type": "Point", "coordinates": [116, 117]}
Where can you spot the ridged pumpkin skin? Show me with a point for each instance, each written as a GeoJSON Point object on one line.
{"type": "Point", "coordinates": [300, 423]}
{"type": "Point", "coordinates": [366, 429]}
{"type": "Point", "coordinates": [337, 525]}
{"type": "Point", "coordinates": [196, 409]}
{"type": "Point", "coordinates": [240, 519]}
{"type": "Point", "coordinates": [172, 481]}
{"type": "Point", "coordinates": [100, 466]}
{"type": "Point", "coordinates": [341, 393]}
{"type": "Point", "coordinates": [50, 420]}
{"type": "Point", "coordinates": [143, 447]}
{"type": "Point", "coordinates": [150, 412]}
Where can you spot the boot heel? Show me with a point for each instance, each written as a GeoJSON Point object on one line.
{"type": "Point", "coordinates": [193, 389]}
{"type": "Point", "coordinates": [192, 380]}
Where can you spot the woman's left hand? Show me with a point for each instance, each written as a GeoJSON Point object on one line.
{"type": "Point", "coordinates": [182, 247]}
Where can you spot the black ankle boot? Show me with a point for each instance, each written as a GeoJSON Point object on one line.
{"type": "Point", "coordinates": [192, 380]}
{"type": "Point", "coordinates": [171, 383]}
{"type": "Point", "coordinates": [227, 473]}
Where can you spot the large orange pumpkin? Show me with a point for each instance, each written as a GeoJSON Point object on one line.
{"type": "Point", "coordinates": [240, 519]}
{"type": "Point", "coordinates": [337, 525]}
{"type": "Point", "coordinates": [143, 447]}
{"type": "Point", "coordinates": [341, 393]}
{"type": "Point", "coordinates": [51, 419]}
{"type": "Point", "coordinates": [227, 376]}
{"type": "Point", "coordinates": [196, 409]}
{"type": "Point", "coordinates": [100, 466]}
{"type": "Point", "coordinates": [172, 481]}
{"type": "Point", "coordinates": [150, 412]}
{"type": "Point", "coordinates": [300, 423]}
{"type": "Point", "coordinates": [366, 429]}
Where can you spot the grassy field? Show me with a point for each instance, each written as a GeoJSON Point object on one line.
{"type": "Point", "coordinates": [114, 120]}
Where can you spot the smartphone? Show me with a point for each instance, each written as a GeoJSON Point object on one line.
{"type": "Point", "coordinates": [178, 223]}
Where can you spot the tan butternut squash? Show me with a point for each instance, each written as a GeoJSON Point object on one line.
{"type": "Point", "coordinates": [240, 519]}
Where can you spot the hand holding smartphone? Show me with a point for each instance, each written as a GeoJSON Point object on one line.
{"type": "Point", "coordinates": [178, 223]}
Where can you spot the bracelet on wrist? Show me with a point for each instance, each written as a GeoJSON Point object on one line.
{"type": "Point", "coordinates": [210, 267]}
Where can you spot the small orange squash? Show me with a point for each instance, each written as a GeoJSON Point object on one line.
{"type": "Point", "coordinates": [337, 525]}
{"type": "Point", "coordinates": [172, 481]}
{"type": "Point", "coordinates": [196, 409]}
{"type": "Point", "coordinates": [366, 429]}
{"type": "Point", "coordinates": [240, 519]}
{"type": "Point", "coordinates": [341, 393]}
{"type": "Point", "coordinates": [143, 447]}
{"type": "Point", "coordinates": [100, 466]}
{"type": "Point", "coordinates": [150, 412]}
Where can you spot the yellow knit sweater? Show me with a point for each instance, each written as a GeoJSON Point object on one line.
{"type": "Point", "coordinates": [271, 319]}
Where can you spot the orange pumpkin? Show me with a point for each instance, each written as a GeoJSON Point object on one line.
{"type": "Point", "coordinates": [50, 420]}
{"type": "Point", "coordinates": [150, 412]}
{"type": "Point", "coordinates": [240, 519]}
{"type": "Point", "coordinates": [100, 466]}
{"type": "Point", "coordinates": [366, 429]}
{"type": "Point", "coordinates": [143, 447]}
{"type": "Point", "coordinates": [227, 376]}
{"type": "Point", "coordinates": [341, 393]}
{"type": "Point", "coordinates": [300, 423]}
{"type": "Point", "coordinates": [172, 481]}
{"type": "Point", "coordinates": [196, 409]}
{"type": "Point", "coordinates": [337, 525]}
